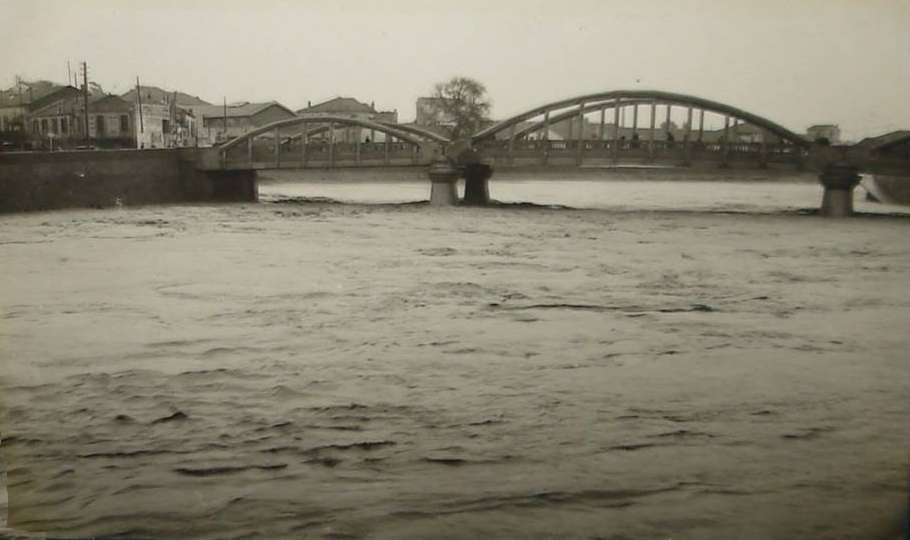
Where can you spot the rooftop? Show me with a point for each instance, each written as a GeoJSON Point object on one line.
{"type": "Point", "coordinates": [240, 110]}
{"type": "Point", "coordinates": [153, 94]}
{"type": "Point", "coordinates": [888, 139]}
{"type": "Point", "coordinates": [64, 92]}
{"type": "Point", "coordinates": [339, 105]}
{"type": "Point", "coordinates": [29, 91]}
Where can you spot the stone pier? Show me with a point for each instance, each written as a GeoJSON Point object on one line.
{"type": "Point", "coordinates": [839, 180]}
{"type": "Point", "coordinates": [443, 176]}
{"type": "Point", "coordinates": [476, 183]}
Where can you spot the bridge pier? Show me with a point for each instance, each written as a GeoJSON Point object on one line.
{"type": "Point", "coordinates": [443, 177]}
{"type": "Point", "coordinates": [839, 180]}
{"type": "Point", "coordinates": [476, 184]}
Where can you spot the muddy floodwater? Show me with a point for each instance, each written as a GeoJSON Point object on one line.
{"type": "Point", "coordinates": [681, 359]}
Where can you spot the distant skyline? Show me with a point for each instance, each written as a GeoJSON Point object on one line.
{"type": "Point", "coordinates": [798, 63]}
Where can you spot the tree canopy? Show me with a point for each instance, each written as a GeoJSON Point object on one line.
{"type": "Point", "coordinates": [461, 103]}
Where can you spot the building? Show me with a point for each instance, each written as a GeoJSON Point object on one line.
{"type": "Point", "coordinates": [109, 122]}
{"type": "Point", "coordinates": [57, 118]}
{"type": "Point", "coordinates": [14, 106]}
{"type": "Point", "coordinates": [430, 113]}
{"type": "Point", "coordinates": [164, 118]}
{"type": "Point", "coordinates": [351, 108]}
{"type": "Point", "coordinates": [219, 123]}
{"type": "Point", "coordinates": [829, 132]}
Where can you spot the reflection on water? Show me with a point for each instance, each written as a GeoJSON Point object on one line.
{"type": "Point", "coordinates": [399, 371]}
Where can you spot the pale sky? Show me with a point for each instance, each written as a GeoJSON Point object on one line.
{"type": "Point", "coordinates": [796, 62]}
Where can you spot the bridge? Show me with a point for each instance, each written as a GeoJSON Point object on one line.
{"type": "Point", "coordinates": [646, 128]}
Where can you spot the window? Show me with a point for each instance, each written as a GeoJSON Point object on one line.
{"type": "Point", "coordinates": [165, 126]}
{"type": "Point", "coordinates": [99, 126]}
{"type": "Point", "coordinates": [34, 126]}
{"type": "Point", "coordinates": [63, 126]}
{"type": "Point", "coordinates": [44, 125]}
{"type": "Point", "coordinates": [54, 127]}
{"type": "Point", "coordinates": [124, 123]}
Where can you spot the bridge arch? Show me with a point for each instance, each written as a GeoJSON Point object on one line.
{"type": "Point", "coordinates": [289, 143]}
{"type": "Point", "coordinates": [328, 119]}
{"type": "Point", "coordinates": [422, 133]}
{"type": "Point", "coordinates": [612, 99]}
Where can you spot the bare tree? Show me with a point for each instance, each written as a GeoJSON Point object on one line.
{"type": "Point", "coordinates": [462, 105]}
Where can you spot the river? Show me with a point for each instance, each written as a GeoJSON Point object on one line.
{"type": "Point", "coordinates": [633, 356]}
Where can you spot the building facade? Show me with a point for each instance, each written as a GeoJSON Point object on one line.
{"type": "Point", "coordinates": [109, 122]}
{"type": "Point", "coordinates": [164, 118]}
{"type": "Point", "coordinates": [430, 113]}
{"type": "Point", "coordinates": [829, 132]}
{"type": "Point", "coordinates": [56, 119]}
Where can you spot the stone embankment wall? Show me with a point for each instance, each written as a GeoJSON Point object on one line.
{"type": "Point", "coordinates": [49, 180]}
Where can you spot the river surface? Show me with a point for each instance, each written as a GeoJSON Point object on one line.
{"type": "Point", "coordinates": [672, 357]}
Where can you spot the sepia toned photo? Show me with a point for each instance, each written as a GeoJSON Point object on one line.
{"type": "Point", "coordinates": [411, 269]}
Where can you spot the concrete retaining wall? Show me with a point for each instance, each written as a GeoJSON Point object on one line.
{"type": "Point", "coordinates": [49, 180]}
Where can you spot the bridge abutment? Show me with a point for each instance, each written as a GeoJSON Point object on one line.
{"type": "Point", "coordinates": [443, 177]}
{"type": "Point", "coordinates": [234, 186]}
{"type": "Point", "coordinates": [477, 184]}
{"type": "Point", "coordinates": [839, 180]}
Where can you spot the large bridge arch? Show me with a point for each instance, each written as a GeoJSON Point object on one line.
{"type": "Point", "coordinates": [613, 98]}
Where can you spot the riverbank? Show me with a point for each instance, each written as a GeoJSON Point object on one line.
{"type": "Point", "coordinates": [401, 371]}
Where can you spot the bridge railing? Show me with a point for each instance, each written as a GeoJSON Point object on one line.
{"type": "Point", "coordinates": [681, 151]}
{"type": "Point", "coordinates": [261, 153]}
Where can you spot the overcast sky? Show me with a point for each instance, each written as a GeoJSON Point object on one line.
{"type": "Point", "coordinates": [797, 62]}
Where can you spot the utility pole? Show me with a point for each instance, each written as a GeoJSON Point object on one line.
{"type": "Point", "coordinates": [22, 116]}
{"type": "Point", "coordinates": [85, 99]}
{"type": "Point", "coordinates": [139, 104]}
{"type": "Point", "coordinates": [224, 133]}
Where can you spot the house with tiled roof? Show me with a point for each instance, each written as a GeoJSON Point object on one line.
{"type": "Point", "coordinates": [58, 118]}
{"type": "Point", "coordinates": [895, 143]}
{"type": "Point", "coordinates": [351, 108]}
{"type": "Point", "coordinates": [342, 106]}
{"type": "Point", "coordinates": [14, 107]}
{"type": "Point", "coordinates": [217, 123]}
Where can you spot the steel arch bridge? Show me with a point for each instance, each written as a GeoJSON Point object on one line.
{"type": "Point", "coordinates": [526, 138]}
{"type": "Point", "coordinates": [311, 142]}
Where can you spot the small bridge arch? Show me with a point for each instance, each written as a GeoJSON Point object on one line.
{"type": "Point", "coordinates": [281, 145]}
